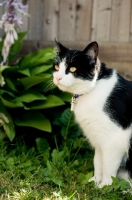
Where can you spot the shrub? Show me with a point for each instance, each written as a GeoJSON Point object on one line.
{"type": "Point", "coordinates": [28, 91]}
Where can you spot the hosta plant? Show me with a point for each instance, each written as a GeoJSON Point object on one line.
{"type": "Point", "coordinates": [28, 90]}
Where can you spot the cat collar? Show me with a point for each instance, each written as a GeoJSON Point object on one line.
{"type": "Point", "coordinates": [73, 101]}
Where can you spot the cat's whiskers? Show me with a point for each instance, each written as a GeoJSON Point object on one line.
{"type": "Point", "coordinates": [49, 85]}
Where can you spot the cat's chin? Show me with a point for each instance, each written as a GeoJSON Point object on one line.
{"type": "Point", "coordinates": [63, 88]}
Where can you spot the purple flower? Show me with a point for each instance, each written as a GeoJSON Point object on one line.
{"type": "Point", "coordinates": [11, 19]}
{"type": "Point", "coordinates": [14, 10]}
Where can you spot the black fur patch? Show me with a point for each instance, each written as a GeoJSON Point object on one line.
{"type": "Point", "coordinates": [119, 104]}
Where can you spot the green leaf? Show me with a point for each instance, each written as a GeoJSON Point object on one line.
{"type": "Point", "coordinates": [42, 145]}
{"type": "Point", "coordinates": [43, 148]}
{"type": "Point", "coordinates": [3, 67]}
{"type": "Point", "coordinates": [16, 47]}
{"type": "Point", "coordinates": [44, 56]}
{"type": "Point", "coordinates": [6, 92]}
{"type": "Point", "coordinates": [30, 96]}
{"type": "Point", "coordinates": [10, 161]}
{"type": "Point", "coordinates": [6, 122]}
{"type": "Point", "coordinates": [52, 101]}
{"type": "Point", "coordinates": [10, 103]}
{"type": "Point", "coordinates": [10, 84]}
{"type": "Point", "coordinates": [34, 119]}
{"type": "Point", "coordinates": [24, 71]}
{"type": "Point", "coordinates": [67, 118]}
{"type": "Point", "coordinates": [34, 80]}
{"type": "Point", "coordinates": [65, 96]}
{"type": "Point", "coordinates": [83, 178]}
{"type": "Point", "coordinates": [39, 69]}
{"type": "Point", "coordinates": [124, 185]}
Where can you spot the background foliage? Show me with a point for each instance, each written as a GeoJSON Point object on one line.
{"type": "Point", "coordinates": [28, 91]}
{"type": "Point", "coordinates": [46, 152]}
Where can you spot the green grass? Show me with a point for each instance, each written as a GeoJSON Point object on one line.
{"type": "Point", "coordinates": [26, 175]}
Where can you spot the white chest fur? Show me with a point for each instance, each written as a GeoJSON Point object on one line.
{"type": "Point", "coordinates": [89, 113]}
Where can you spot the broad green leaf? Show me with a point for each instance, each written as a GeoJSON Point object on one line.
{"type": "Point", "coordinates": [24, 71]}
{"type": "Point", "coordinates": [2, 135]}
{"type": "Point", "coordinates": [42, 145]}
{"type": "Point", "coordinates": [65, 96]}
{"type": "Point", "coordinates": [3, 67]}
{"type": "Point", "coordinates": [34, 80]}
{"type": "Point", "coordinates": [11, 104]}
{"type": "Point", "coordinates": [6, 92]}
{"type": "Point", "coordinates": [30, 96]}
{"type": "Point", "coordinates": [52, 101]}
{"type": "Point", "coordinates": [34, 119]}
{"type": "Point", "coordinates": [10, 84]}
{"type": "Point", "coordinates": [67, 118]}
{"type": "Point", "coordinates": [39, 69]}
{"type": "Point", "coordinates": [38, 58]}
{"type": "Point", "coordinates": [6, 122]}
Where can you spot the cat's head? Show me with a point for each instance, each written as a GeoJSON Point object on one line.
{"type": "Point", "coordinates": [76, 71]}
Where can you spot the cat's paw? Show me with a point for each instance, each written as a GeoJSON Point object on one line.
{"type": "Point", "coordinates": [92, 179]}
{"type": "Point", "coordinates": [95, 180]}
{"type": "Point", "coordinates": [105, 183]}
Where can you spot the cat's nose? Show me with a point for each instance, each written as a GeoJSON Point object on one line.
{"type": "Point", "coordinates": [58, 79]}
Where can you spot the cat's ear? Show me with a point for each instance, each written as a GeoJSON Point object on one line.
{"type": "Point", "coordinates": [59, 48]}
{"type": "Point", "coordinates": [92, 50]}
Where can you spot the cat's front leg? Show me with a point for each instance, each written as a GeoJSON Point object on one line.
{"type": "Point", "coordinates": [112, 157]}
{"type": "Point", "coordinates": [97, 167]}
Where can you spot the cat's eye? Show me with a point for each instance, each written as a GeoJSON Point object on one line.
{"type": "Point", "coordinates": [57, 67]}
{"type": "Point", "coordinates": [72, 69]}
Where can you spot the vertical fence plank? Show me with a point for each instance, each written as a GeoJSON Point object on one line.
{"type": "Point", "coordinates": [124, 32]}
{"type": "Point", "coordinates": [83, 20]}
{"type": "Point", "coordinates": [51, 16]}
{"type": "Point", "coordinates": [36, 11]}
{"type": "Point", "coordinates": [67, 20]}
{"type": "Point", "coordinates": [103, 20]}
{"type": "Point", "coordinates": [115, 20]}
{"type": "Point", "coordinates": [120, 20]}
{"type": "Point", "coordinates": [131, 24]}
{"type": "Point", "coordinates": [94, 20]}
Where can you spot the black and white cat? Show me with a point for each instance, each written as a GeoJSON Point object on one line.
{"type": "Point", "coordinates": [102, 105]}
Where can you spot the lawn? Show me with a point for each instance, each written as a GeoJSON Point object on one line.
{"type": "Point", "coordinates": [26, 175]}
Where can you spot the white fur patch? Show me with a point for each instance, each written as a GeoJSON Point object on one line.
{"type": "Point", "coordinates": [109, 140]}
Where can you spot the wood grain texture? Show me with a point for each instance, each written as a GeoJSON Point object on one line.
{"type": "Point", "coordinates": [120, 20]}
{"type": "Point", "coordinates": [94, 20]}
{"type": "Point", "coordinates": [51, 19]}
{"type": "Point", "coordinates": [67, 20]}
{"type": "Point", "coordinates": [131, 24]}
{"type": "Point", "coordinates": [83, 19]}
{"type": "Point", "coordinates": [36, 21]}
{"type": "Point", "coordinates": [103, 20]}
{"type": "Point", "coordinates": [124, 32]}
{"type": "Point", "coordinates": [115, 20]}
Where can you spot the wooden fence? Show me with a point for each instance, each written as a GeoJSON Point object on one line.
{"type": "Point", "coordinates": [77, 22]}
{"type": "Point", "coordinates": [80, 20]}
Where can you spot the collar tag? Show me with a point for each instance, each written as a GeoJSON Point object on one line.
{"type": "Point", "coordinates": [73, 101]}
